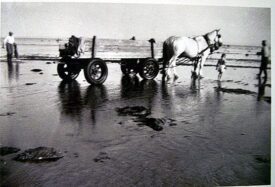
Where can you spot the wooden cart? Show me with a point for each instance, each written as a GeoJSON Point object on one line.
{"type": "Point", "coordinates": [135, 56]}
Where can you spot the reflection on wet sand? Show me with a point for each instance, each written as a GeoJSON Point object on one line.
{"type": "Point", "coordinates": [70, 98]}
{"type": "Point", "coordinates": [192, 130]}
{"type": "Point", "coordinates": [195, 85]}
{"type": "Point", "coordinates": [74, 100]}
{"type": "Point", "coordinates": [94, 96]}
{"type": "Point", "coordinates": [13, 73]}
{"type": "Point", "coordinates": [131, 87]}
{"type": "Point", "coordinates": [218, 94]}
{"type": "Point", "coordinates": [261, 88]}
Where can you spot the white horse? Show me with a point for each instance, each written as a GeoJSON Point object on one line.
{"type": "Point", "coordinates": [197, 48]}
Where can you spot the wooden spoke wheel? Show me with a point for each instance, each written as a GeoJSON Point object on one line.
{"type": "Point", "coordinates": [149, 68]}
{"type": "Point", "coordinates": [96, 71]}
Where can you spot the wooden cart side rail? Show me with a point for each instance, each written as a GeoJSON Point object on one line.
{"type": "Point", "coordinates": [113, 48]}
{"type": "Point", "coordinates": [117, 48]}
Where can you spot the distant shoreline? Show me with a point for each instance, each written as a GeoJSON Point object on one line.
{"type": "Point", "coordinates": [66, 38]}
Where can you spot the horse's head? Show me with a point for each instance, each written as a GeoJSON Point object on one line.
{"type": "Point", "coordinates": [214, 39]}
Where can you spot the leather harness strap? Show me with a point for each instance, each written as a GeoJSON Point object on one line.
{"type": "Point", "coordinates": [208, 43]}
{"type": "Point", "coordinates": [206, 39]}
{"type": "Point", "coordinates": [197, 45]}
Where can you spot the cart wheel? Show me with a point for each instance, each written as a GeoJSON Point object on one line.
{"type": "Point", "coordinates": [149, 68]}
{"type": "Point", "coordinates": [129, 66]}
{"type": "Point", "coordinates": [68, 72]}
{"type": "Point", "coordinates": [96, 71]}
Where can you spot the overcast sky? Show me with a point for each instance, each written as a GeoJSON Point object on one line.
{"type": "Point", "coordinates": [247, 26]}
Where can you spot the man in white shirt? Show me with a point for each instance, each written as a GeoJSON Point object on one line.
{"type": "Point", "coordinates": [9, 43]}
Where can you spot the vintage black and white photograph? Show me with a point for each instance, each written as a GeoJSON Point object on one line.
{"type": "Point", "coordinates": [135, 94]}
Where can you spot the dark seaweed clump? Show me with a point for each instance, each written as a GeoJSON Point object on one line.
{"type": "Point", "coordinates": [8, 150]}
{"type": "Point", "coordinates": [133, 111]}
{"type": "Point", "coordinates": [7, 114]}
{"type": "Point", "coordinates": [30, 83]}
{"type": "Point", "coordinates": [235, 91]}
{"type": "Point", "coordinates": [101, 157]}
{"type": "Point", "coordinates": [141, 119]}
{"type": "Point", "coordinates": [39, 154]}
{"type": "Point", "coordinates": [36, 70]}
{"type": "Point", "coordinates": [154, 123]}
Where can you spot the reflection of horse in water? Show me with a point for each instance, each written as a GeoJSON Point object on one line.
{"type": "Point", "coordinates": [197, 49]}
{"type": "Point", "coordinates": [195, 86]}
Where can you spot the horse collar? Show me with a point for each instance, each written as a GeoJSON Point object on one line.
{"type": "Point", "coordinates": [198, 45]}
{"type": "Point", "coordinates": [206, 39]}
{"type": "Point", "coordinates": [211, 46]}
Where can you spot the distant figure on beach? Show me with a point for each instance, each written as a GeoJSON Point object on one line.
{"type": "Point", "coordinates": [11, 48]}
{"type": "Point", "coordinates": [265, 58]}
{"type": "Point", "coordinates": [221, 66]}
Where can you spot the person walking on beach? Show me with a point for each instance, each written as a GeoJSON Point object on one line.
{"type": "Point", "coordinates": [265, 58]}
{"type": "Point", "coordinates": [221, 66]}
{"type": "Point", "coordinates": [9, 43]}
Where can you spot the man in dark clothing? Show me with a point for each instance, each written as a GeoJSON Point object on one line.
{"type": "Point", "coordinates": [265, 58]}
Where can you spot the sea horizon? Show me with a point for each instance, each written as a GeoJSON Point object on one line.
{"type": "Point", "coordinates": [89, 37]}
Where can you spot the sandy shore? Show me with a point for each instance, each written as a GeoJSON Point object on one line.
{"type": "Point", "coordinates": [220, 133]}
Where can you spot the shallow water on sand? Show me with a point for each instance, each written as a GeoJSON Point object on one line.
{"type": "Point", "coordinates": [218, 137]}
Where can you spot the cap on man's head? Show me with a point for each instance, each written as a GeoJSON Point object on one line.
{"type": "Point", "coordinates": [264, 42]}
{"type": "Point", "coordinates": [10, 33]}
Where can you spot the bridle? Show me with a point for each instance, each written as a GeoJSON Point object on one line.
{"type": "Point", "coordinates": [209, 45]}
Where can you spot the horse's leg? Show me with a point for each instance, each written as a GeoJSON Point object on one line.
{"type": "Point", "coordinates": [169, 67]}
{"type": "Point", "coordinates": [172, 65]}
{"type": "Point", "coordinates": [203, 59]}
{"type": "Point", "coordinates": [195, 64]}
{"type": "Point", "coordinates": [166, 70]}
{"type": "Point", "coordinates": [174, 68]}
{"type": "Point", "coordinates": [197, 67]}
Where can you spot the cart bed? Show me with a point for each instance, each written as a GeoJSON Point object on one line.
{"type": "Point", "coordinates": [121, 49]}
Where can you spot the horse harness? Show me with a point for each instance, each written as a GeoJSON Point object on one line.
{"type": "Point", "coordinates": [198, 58]}
{"type": "Point", "coordinates": [211, 46]}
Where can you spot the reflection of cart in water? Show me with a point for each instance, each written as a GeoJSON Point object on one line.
{"type": "Point", "coordinates": [135, 56]}
{"type": "Point", "coordinates": [74, 101]}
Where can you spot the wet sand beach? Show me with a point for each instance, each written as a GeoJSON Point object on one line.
{"type": "Point", "coordinates": [200, 133]}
